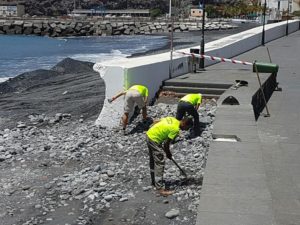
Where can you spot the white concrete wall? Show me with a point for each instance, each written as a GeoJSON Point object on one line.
{"type": "Point", "coordinates": [236, 44]}
{"type": "Point", "coordinates": [122, 74]}
{"type": "Point", "coordinates": [152, 70]}
{"type": "Point", "coordinates": [111, 113]}
{"type": "Point", "coordinates": [152, 75]}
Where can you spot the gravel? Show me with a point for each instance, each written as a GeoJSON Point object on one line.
{"type": "Point", "coordinates": [58, 167]}
{"type": "Point", "coordinates": [79, 173]}
{"type": "Point", "coordinates": [172, 213]}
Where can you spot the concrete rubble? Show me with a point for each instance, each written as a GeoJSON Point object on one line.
{"type": "Point", "coordinates": [52, 168]}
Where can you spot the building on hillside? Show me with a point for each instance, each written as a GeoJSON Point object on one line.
{"type": "Point", "coordinates": [8, 1]}
{"type": "Point", "coordinates": [9, 8]}
{"type": "Point", "coordinates": [196, 12]}
{"type": "Point", "coordinates": [112, 13]}
{"type": "Point", "coordinates": [277, 8]}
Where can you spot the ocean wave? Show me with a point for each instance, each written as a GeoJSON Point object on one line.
{"type": "Point", "coordinates": [62, 39]}
{"type": "Point", "coordinates": [2, 79]}
{"type": "Point", "coordinates": [100, 57]}
{"type": "Point", "coordinates": [81, 37]}
{"type": "Point", "coordinates": [141, 48]}
{"type": "Point", "coordinates": [118, 52]}
{"type": "Point", "coordinates": [31, 53]}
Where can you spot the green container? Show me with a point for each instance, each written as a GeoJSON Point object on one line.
{"type": "Point", "coordinates": [265, 67]}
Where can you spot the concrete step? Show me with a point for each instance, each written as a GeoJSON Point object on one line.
{"type": "Point", "coordinates": [189, 83]}
{"type": "Point", "coordinates": [202, 90]}
{"type": "Point", "coordinates": [206, 96]}
{"type": "Point", "coordinates": [175, 99]}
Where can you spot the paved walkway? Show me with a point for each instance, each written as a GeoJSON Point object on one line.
{"type": "Point", "coordinates": [256, 181]}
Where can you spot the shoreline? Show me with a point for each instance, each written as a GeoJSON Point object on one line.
{"type": "Point", "coordinates": [181, 40]}
{"type": "Point", "coordinates": [193, 38]}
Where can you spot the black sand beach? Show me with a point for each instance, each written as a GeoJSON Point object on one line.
{"type": "Point", "coordinates": [70, 87]}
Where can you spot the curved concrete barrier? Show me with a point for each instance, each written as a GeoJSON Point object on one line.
{"type": "Point", "coordinates": [148, 70]}
{"type": "Point", "coordinates": [152, 70]}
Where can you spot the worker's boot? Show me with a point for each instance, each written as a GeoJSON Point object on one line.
{"type": "Point", "coordinates": [197, 131]}
{"type": "Point", "coordinates": [152, 178]}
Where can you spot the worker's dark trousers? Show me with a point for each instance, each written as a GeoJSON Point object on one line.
{"type": "Point", "coordinates": [157, 163]}
{"type": "Point", "coordinates": [184, 108]}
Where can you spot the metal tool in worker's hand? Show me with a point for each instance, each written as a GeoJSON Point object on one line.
{"type": "Point", "coordinates": [181, 170]}
{"type": "Point", "coordinates": [109, 100]}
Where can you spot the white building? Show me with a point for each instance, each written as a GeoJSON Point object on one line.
{"type": "Point", "coordinates": [10, 8]}
{"type": "Point", "coordinates": [196, 12]}
{"type": "Point", "coordinates": [282, 5]}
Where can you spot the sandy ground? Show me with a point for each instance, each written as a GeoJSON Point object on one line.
{"type": "Point", "coordinates": [71, 87]}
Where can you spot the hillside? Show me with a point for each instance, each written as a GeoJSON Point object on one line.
{"type": "Point", "coordinates": [63, 7]}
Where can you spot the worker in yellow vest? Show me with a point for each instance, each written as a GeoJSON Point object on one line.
{"type": "Point", "coordinates": [188, 105]}
{"type": "Point", "coordinates": [159, 137]}
{"type": "Point", "coordinates": [137, 94]}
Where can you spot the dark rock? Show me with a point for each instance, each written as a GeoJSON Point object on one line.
{"type": "Point", "coordinates": [69, 65]}
{"type": "Point", "coordinates": [26, 187]}
{"type": "Point", "coordinates": [47, 147]}
{"type": "Point", "coordinates": [2, 158]}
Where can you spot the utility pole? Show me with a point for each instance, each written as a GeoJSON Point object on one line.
{"type": "Point", "coordinates": [287, 18]}
{"type": "Point", "coordinates": [201, 64]}
{"type": "Point", "coordinates": [170, 9]}
{"type": "Point", "coordinates": [171, 41]}
{"type": "Point", "coordinates": [264, 18]}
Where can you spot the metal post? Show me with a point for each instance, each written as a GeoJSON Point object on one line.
{"type": "Point", "coordinates": [201, 65]}
{"type": "Point", "coordinates": [287, 19]}
{"type": "Point", "coordinates": [171, 42]}
{"type": "Point", "coordinates": [262, 91]}
{"type": "Point", "coordinates": [171, 52]}
{"type": "Point", "coordinates": [264, 18]}
{"type": "Point", "coordinates": [170, 9]}
{"type": "Point", "coordinates": [269, 55]}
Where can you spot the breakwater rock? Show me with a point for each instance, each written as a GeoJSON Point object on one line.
{"type": "Point", "coordinates": [101, 28]}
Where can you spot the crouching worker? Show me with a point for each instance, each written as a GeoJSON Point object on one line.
{"type": "Point", "coordinates": [159, 137]}
{"type": "Point", "coordinates": [136, 94]}
{"type": "Point", "coordinates": [189, 105]}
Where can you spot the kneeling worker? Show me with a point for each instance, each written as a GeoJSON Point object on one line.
{"type": "Point", "coordinates": [159, 137]}
{"type": "Point", "coordinates": [189, 104]}
{"type": "Point", "coordinates": [137, 94]}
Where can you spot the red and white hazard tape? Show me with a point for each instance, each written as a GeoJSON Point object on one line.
{"type": "Point", "coordinates": [213, 58]}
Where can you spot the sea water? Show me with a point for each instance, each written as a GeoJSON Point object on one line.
{"type": "Point", "coordinates": [19, 54]}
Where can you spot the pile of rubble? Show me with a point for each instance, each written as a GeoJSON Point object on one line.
{"type": "Point", "coordinates": [46, 170]}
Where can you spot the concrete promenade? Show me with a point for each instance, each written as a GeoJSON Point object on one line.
{"type": "Point", "coordinates": [256, 181]}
